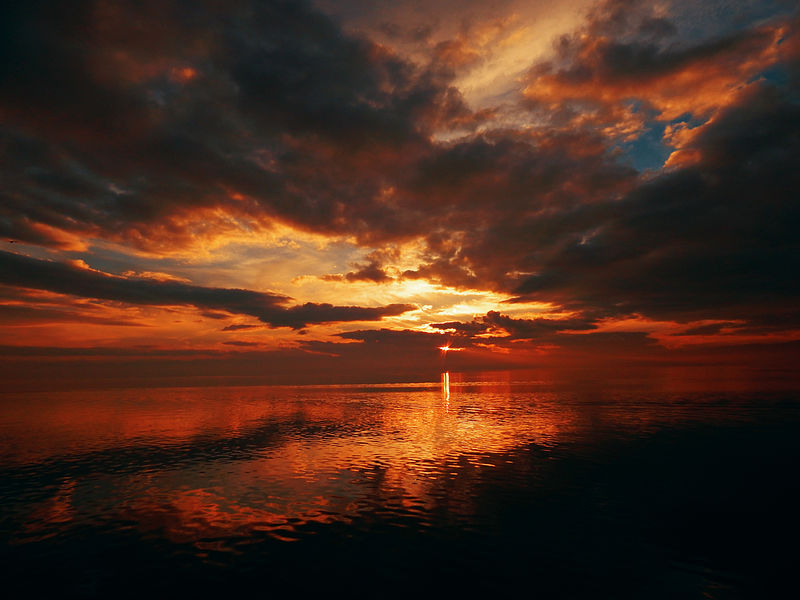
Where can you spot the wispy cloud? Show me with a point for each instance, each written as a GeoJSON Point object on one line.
{"type": "Point", "coordinates": [269, 308]}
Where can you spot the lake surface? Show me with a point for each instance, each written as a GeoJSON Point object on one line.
{"type": "Point", "coordinates": [555, 487]}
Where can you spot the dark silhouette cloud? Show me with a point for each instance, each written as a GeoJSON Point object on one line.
{"type": "Point", "coordinates": [369, 272]}
{"type": "Point", "coordinates": [717, 237]}
{"type": "Point", "coordinates": [510, 328]}
{"type": "Point", "coordinates": [710, 329]}
{"type": "Point", "coordinates": [26, 272]}
{"type": "Point", "coordinates": [138, 121]}
{"type": "Point", "coordinates": [18, 315]}
{"type": "Point", "coordinates": [711, 236]}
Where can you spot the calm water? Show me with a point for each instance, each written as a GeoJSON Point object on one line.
{"type": "Point", "coordinates": [644, 488]}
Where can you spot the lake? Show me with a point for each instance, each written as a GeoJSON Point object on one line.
{"type": "Point", "coordinates": [670, 484]}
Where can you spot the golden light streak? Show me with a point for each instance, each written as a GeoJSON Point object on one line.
{"type": "Point", "coordinates": [448, 348]}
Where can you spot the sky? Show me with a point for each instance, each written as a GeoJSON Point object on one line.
{"type": "Point", "coordinates": [297, 191]}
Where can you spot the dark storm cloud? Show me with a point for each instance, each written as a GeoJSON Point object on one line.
{"type": "Point", "coordinates": [710, 329]}
{"type": "Point", "coordinates": [144, 121]}
{"type": "Point", "coordinates": [502, 200]}
{"type": "Point", "coordinates": [493, 331]}
{"type": "Point", "coordinates": [390, 352]}
{"type": "Point", "coordinates": [22, 271]}
{"type": "Point", "coordinates": [720, 235]}
{"type": "Point", "coordinates": [608, 61]}
{"type": "Point", "coordinates": [297, 71]}
{"type": "Point", "coordinates": [369, 272]}
{"type": "Point", "coordinates": [63, 351]}
{"type": "Point", "coordinates": [637, 60]}
{"type": "Point", "coordinates": [128, 119]}
{"type": "Point", "coordinates": [266, 111]}
{"type": "Point", "coordinates": [629, 66]}
{"type": "Point", "coordinates": [495, 322]}
{"type": "Point", "coordinates": [17, 315]}
{"type": "Point", "coordinates": [550, 343]}
{"type": "Point", "coordinates": [657, 28]}
{"type": "Point", "coordinates": [714, 236]}
{"type": "Point", "coordinates": [402, 337]}
{"type": "Point", "coordinates": [46, 72]}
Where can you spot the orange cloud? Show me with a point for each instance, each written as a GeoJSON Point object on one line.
{"type": "Point", "coordinates": [606, 74]}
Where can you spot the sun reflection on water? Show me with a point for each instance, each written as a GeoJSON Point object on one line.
{"type": "Point", "coordinates": [190, 464]}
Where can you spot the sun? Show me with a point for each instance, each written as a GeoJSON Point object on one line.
{"type": "Point", "coordinates": [448, 348]}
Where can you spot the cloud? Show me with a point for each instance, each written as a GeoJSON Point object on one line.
{"type": "Point", "coordinates": [711, 237]}
{"type": "Point", "coordinates": [369, 272]}
{"type": "Point", "coordinates": [158, 276]}
{"type": "Point", "coordinates": [550, 348]}
{"type": "Point", "coordinates": [498, 334]}
{"type": "Point", "coordinates": [26, 272]}
{"type": "Point", "coordinates": [510, 328]}
{"type": "Point", "coordinates": [709, 329]}
{"type": "Point", "coordinates": [285, 118]}
{"type": "Point", "coordinates": [239, 327]}
{"type": "Point", "coordinates": [627, 55]}
{"type": "Point", "coordinates": [163, 129]}
{"type": "Point", "coordinates": [25, 315]}
{"type": "Point", "coordinates": [170, 130]}
{"type": "Point", "coordinates": [717, 237]}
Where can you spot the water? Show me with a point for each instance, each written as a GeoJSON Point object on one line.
{"type": "Point", "coordinates": [662, 487]}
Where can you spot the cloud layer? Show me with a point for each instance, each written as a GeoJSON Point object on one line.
{"type": "Point", "coordinates": [646, 168]}
{"type": "Point", "coordinates": [25, 272]}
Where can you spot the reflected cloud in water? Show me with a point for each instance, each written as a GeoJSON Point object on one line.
{"type": "Point", "coordinates": [223, 468]}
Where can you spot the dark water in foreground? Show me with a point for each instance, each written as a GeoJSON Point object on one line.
{"type": "Point", "coordinates": [635, 489]}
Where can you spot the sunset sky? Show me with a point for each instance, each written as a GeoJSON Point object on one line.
{"type": "Point", "coordinates": [328, 191]}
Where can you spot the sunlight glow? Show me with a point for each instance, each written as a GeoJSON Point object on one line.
{"type": "Point", "coordinates": [446, 349]}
